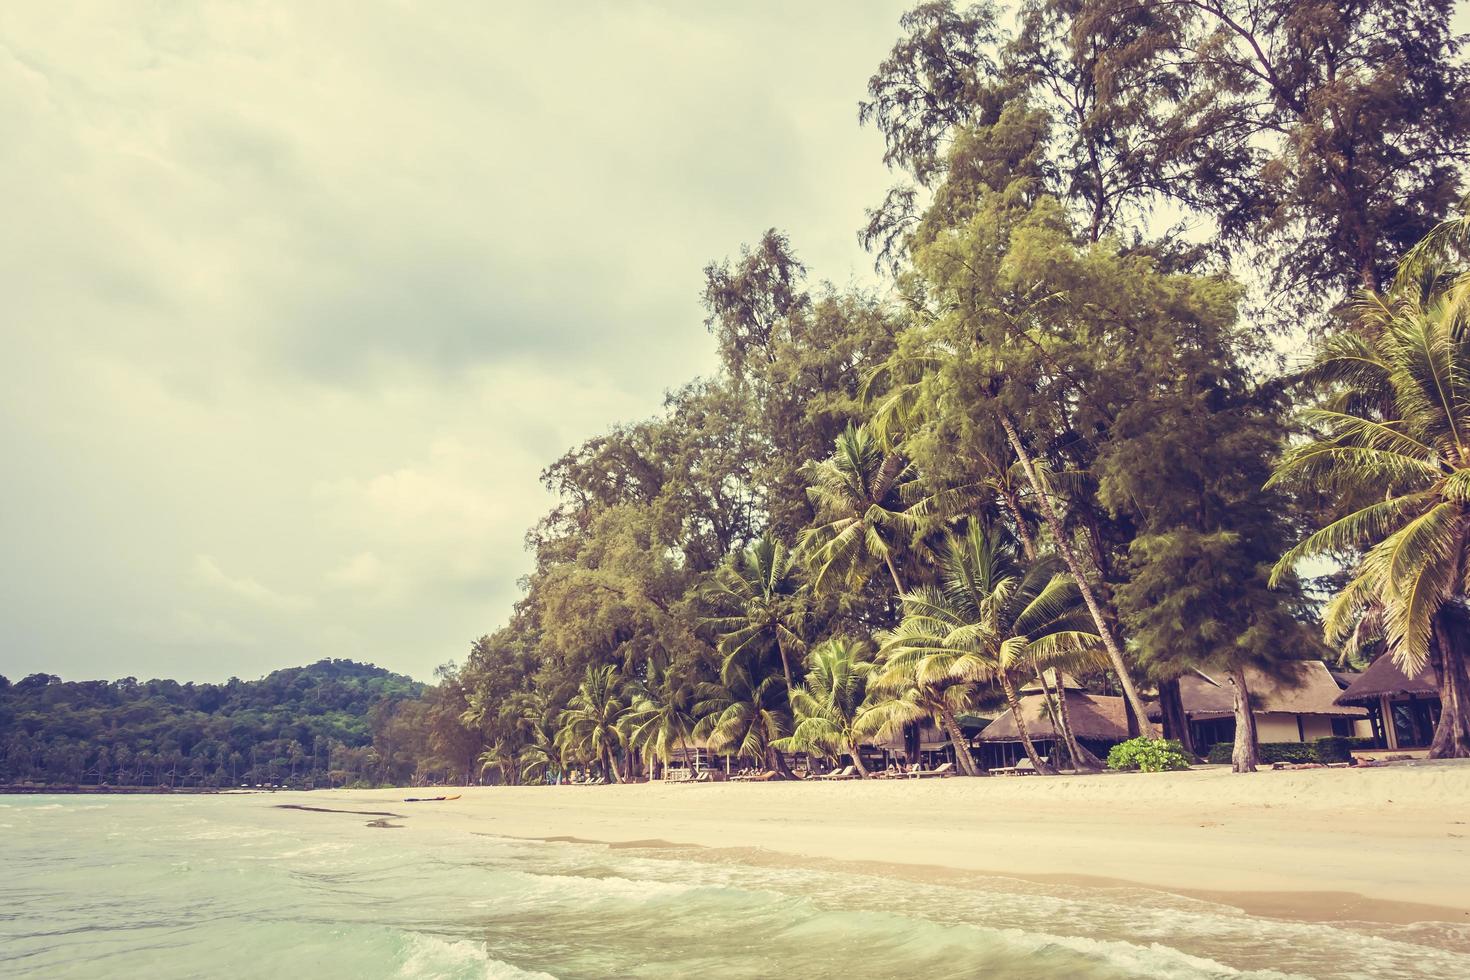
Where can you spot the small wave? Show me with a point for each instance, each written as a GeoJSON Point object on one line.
{"type": "Point", "coordinates": [426, 956]}
{"type": "Point", "coordinates": [612, 886]}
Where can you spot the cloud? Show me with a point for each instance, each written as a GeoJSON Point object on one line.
{"type": "Point", "coordinates": [301, 298]}
{"type": "Point", "coordinates": [247, 589]}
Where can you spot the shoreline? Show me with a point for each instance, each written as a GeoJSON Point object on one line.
{"type": "Point", "coordinates": [1384, 845]}
{"type": "Point", "coordinates": [1297, 906]}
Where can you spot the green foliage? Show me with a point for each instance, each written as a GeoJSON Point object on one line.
{"type": "Point", "coordinates": [291, 725]}
{"type": "Point", "coordinates": [828, 709]}
{"type": "Point", "coordinates": [1337, 748]}
{"type": "Point", "coordinates": [1219, 753]}
{"type": "Point", "coordinates": [1148, 755]}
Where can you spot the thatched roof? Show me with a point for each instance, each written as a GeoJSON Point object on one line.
{"type": "Point", "coordinates": [1093, 716]}
{"type": "Point", "coordinates": [1385, 677]}
{"type": "Point", "coordinates": [1304, 688]}
{"type": "Point", "coordinates": [1050, 674]}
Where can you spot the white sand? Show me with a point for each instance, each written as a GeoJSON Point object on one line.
{"type": "Point", "coordinates": [1331, 843]}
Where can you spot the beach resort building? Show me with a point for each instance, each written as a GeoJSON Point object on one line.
{"type": "Point", "coordinates": [1098, 720]}
{"type": "Point", "coordinates": [1402, 711]}
{"type": "Point", "coordinates": [1299, 705]}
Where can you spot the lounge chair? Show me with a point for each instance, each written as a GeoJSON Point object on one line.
{"type": "Point", "coordinates": [945, 769]}
{"type": "Point", "coordinates": [1022, 768]}
{"type": "Point", "coordinates": [850, 772]}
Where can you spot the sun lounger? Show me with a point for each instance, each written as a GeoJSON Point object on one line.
{"type": "Point", "coordinates": [945, 769]}
{"type": "Point", "coordinates": [1022, 768]}
{"type": "Point", "coordinates": [849, 772]}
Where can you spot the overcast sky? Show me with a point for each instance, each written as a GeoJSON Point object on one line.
{"type": "Point", "coordinates": [299, 298]}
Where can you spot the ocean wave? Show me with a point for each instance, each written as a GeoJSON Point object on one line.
{"type": "Point", "coordinates": [425, 956]}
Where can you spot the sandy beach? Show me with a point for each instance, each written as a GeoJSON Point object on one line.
{"type": "Point", "coordinates": [1389, 844]}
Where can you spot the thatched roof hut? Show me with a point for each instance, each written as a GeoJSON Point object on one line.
{"type": "Point", "coordinates": [1093, 717]}
{"type": "Point", "coordinates": [1303, 687]}
{"type": "Point", "coordinates": [1384, 677]}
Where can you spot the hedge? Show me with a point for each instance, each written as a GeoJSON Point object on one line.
{"type": "Point", "coordinates": [1333, 748]}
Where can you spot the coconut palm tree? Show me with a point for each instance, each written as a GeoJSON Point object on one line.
{"type": "Point", "coordinates": [1394, 447]}
{"type": "Point", "coordinates": [899, 697]}
{"type": "Point", "coordinates": [746, 714]}
{"type": "Point", "coordinates": [992, 616]}
{"type": "Point", "coordinates": [538, 755]}
{"type": "Point", "coordinates": [863, 495]}
{"type": "Point", "coordinates": [661, 720]}
{"type": "Point", "coordinates": [765, 601]}
{"type": "Point", "coordinates": [590, 725]}
{"type": "Point", "coordinates": [827, 708]}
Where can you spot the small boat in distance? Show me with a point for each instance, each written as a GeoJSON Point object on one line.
{"type": "Point", "coordinates": [430, 799]}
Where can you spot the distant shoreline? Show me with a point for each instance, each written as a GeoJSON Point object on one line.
{"type": "Point", "coordinates": [26, 789]}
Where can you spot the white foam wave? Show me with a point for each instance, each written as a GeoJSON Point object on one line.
{"type": "Point", "coordinates": [583, 886]}
{"type": "Point", "coordinates": [426, 956]}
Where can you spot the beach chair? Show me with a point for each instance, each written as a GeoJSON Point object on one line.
{"type": "Point", "coordinates": [850, 772]}
{"type": "Point", "coordinates": [945, 769]}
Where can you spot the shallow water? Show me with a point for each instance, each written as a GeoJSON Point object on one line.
{"type": "Point", "coordinates": [232, 886]}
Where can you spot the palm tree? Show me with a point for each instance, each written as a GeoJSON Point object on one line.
{"type": "Point", "coordinates": [899, 697]}
{"type": "Point", "coordinates": [1394, 446]}
{"type": "Point", "coordinates": [590, 725]}
{"type": "Point", "coordinates": [828, 707]}
{"type": "Point", "coordinates": [766, 604]}
{"type": "Point", "coordinates": [745, 714]}
{"type": "Point", "coordinates": [863, 496]}
{"type": "Point", "coordinates": [538, 756]}
{"type": "Point", "coordinates": [662, 718]}
{"type": "Point", "coordinates": [992, 615]}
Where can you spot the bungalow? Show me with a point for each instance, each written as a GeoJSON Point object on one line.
{"type": "Point", "coordinates": [1402, 710]}
{"type": "Point", "coordinates": [924, 743]}
{"type": "Point", "coordinates": [1300, 704]}
{"type": "Point", "coordinates": [1098, 721]}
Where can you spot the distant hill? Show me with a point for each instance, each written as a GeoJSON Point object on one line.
{"type": "Point", "coordinates": [296, 725]}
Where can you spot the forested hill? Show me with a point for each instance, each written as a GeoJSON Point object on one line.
{"type": "Point", "coordinates": [292, 726]}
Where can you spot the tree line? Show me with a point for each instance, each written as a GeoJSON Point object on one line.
{"type": "Point", "coordinates": [1062, 432]}
{"type": "Point", "coordinates": [334, 722]}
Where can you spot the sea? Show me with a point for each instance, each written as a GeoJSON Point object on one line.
{"type": "Point", "coordinates": [160, 887]}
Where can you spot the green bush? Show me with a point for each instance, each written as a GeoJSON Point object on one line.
{"type": "Point", "coordinates": [1270, 752]}
{"type": "Point", "coordinates": [1147, 755]}
{"type": "Point", "coordinates": [1333, 748]}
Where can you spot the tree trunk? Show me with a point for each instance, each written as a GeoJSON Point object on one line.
{"type": "Point", "coordinates": [893, 574]}
{"type": "Point", "coordinates": [785, 665]}
{"type": "Point", "coordinates": [1014, 703]}
{"type": "Point", "coordinates": [961, 747]}
{"type": "Point", "coordinates": [777, 763]}
{"type": "Point", "coordinates": [1060, 746]}
{"type": "Point", "coordinates": [1452, 734]}
{"type": "Point", "coordinates": [1023, 531]}
{"type": "Point", "coordinates": [1176, 722]}
{"type": "Point", "coordinates": [1082, 757]}
{"type": "Point", "coordinates": [1069, 556]}
{"type": "Point", "coordinates": [1247, 752]}
{"type": "Point", "coordinates": [856, 756]}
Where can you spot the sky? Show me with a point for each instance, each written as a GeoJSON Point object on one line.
{"type": "Point", "coordinates": [299, 299]}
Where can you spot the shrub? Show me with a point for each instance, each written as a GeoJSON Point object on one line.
{"type": "Point", "coordinates": [1270, 752]}
{"type": "Point", "coordinates": [1147, 755]}
{"type": "Point", "coordinates": [1333, 748]}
